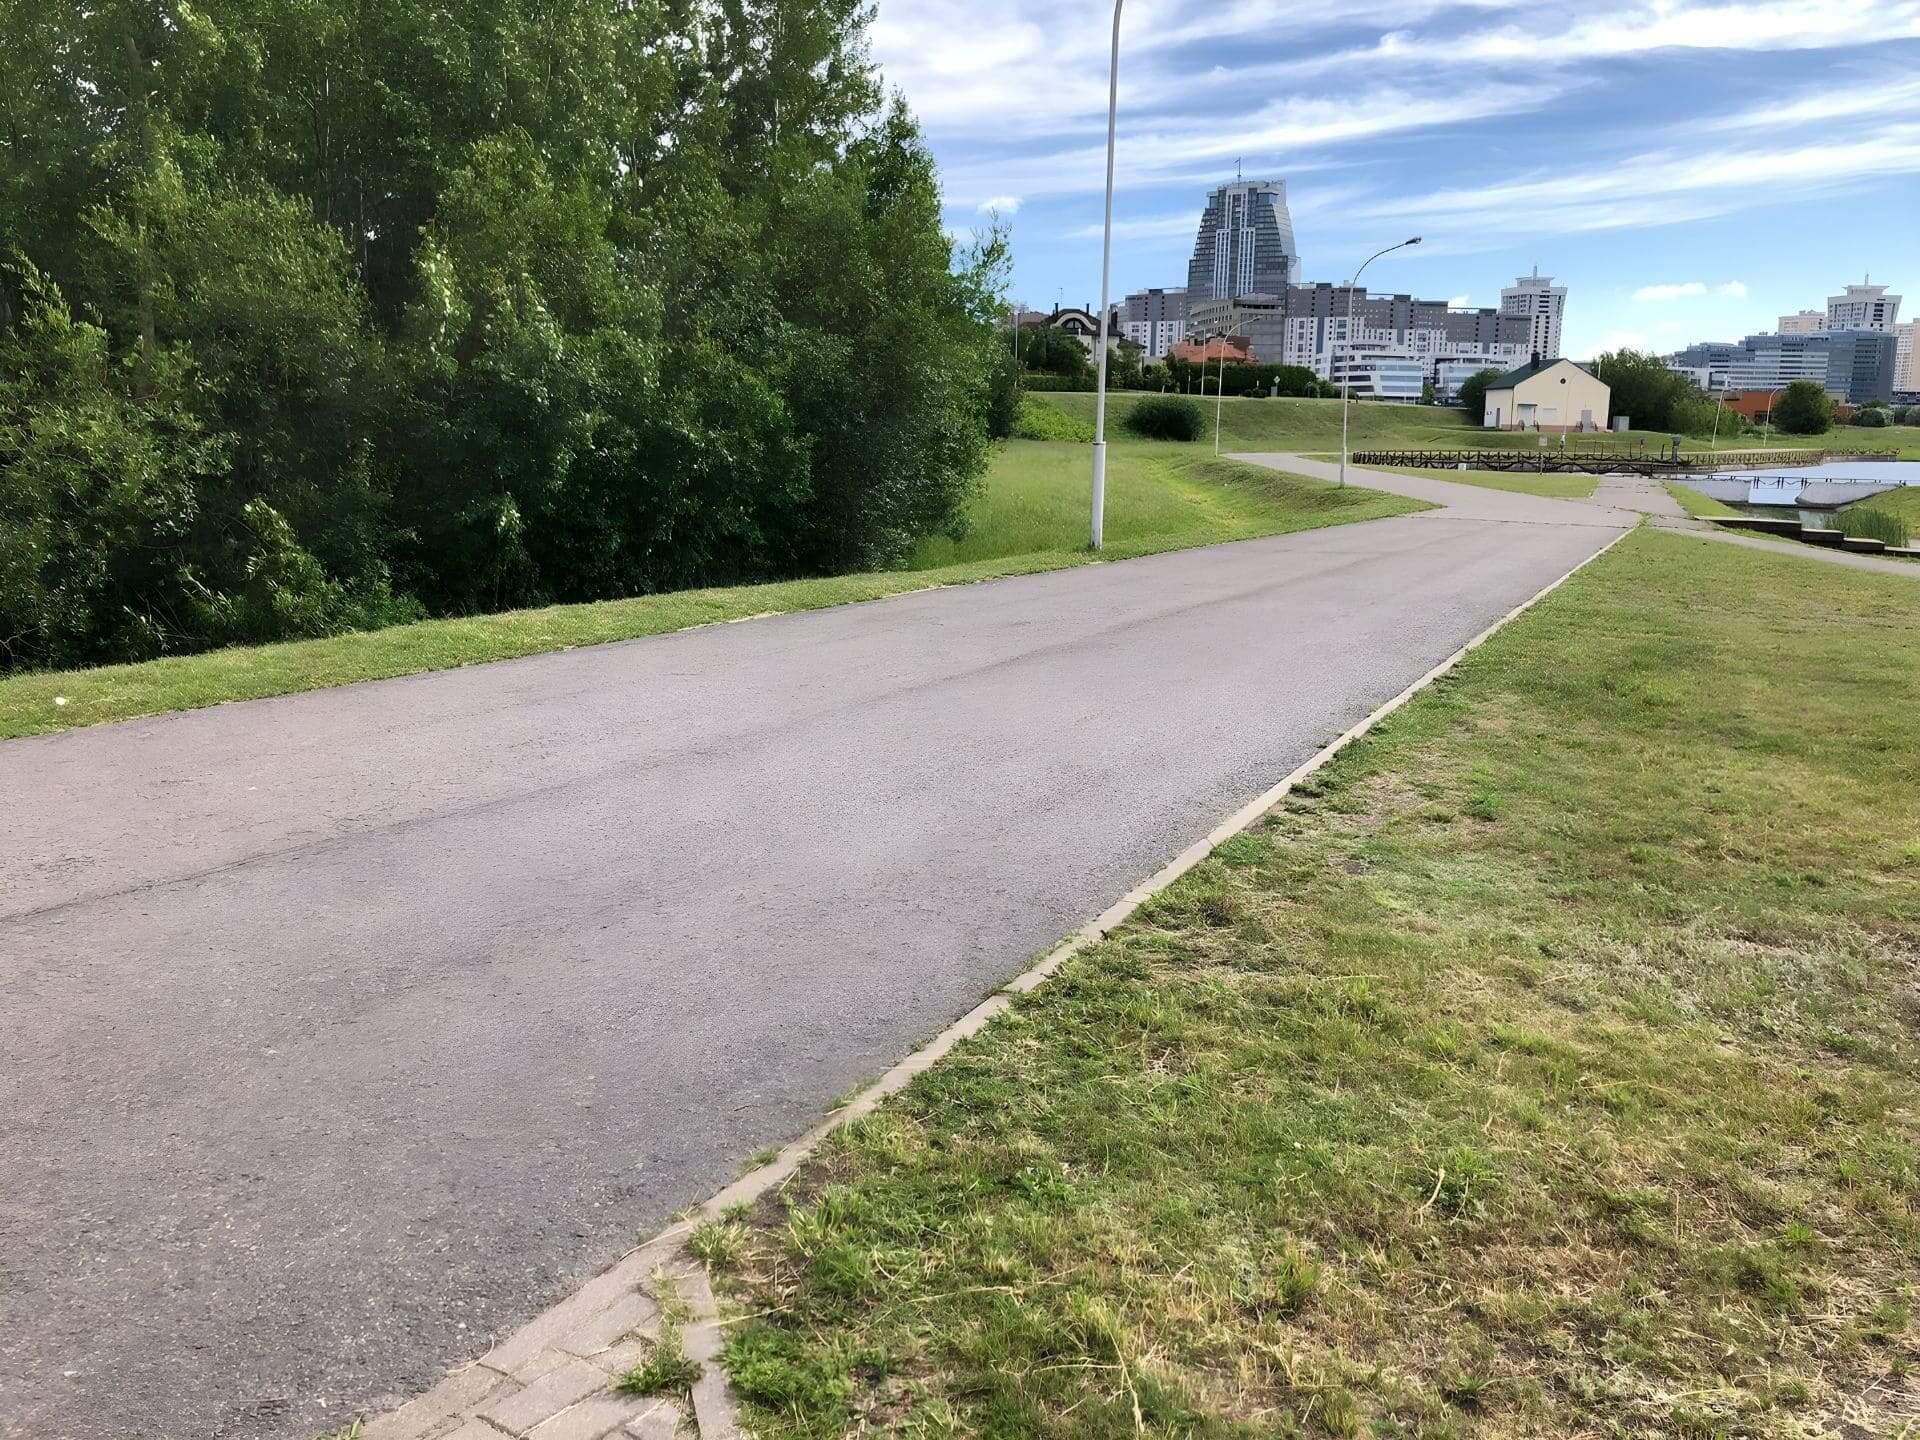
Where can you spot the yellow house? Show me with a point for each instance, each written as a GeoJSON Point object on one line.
{"type": "Point", "coordinates": [1548, 395]}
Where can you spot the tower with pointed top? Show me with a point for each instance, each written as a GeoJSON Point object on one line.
{"type": "Point", "coordinates": [1245, 245]}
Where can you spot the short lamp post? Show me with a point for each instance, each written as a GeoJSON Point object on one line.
{"type": "Point", "coordinates": [1346, 371]}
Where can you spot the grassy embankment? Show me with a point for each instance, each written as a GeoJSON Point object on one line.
{"type": "Point", "coordinates": [1030, 516]}
{"type": "Point", "coordinates": [1550, 1067]}
{"type": "Point", "coordinates": [1697, 505]}
{"type": "Point", "coordinates": [1555, 487]}
{"type": "Point", "coordinates": [1313, 426]}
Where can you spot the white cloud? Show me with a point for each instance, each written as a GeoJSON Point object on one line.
{"type": "Point", "coordinates": [1188, 150]}
{"type": "Point", "coordinates": [1662, 187]}
{"type": "Point", "coordinates": [1669, 292]}
{"type": "Point", "coordinates": [999, 205]}
{"type": "Point", "coordinates": [1733, 290]}
{"type": "Point", "coordinates": [1461, 302]}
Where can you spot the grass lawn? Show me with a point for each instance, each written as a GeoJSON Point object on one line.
{"type": "Point", "coordinates": [1556, 487]}
{"type": "Point", "coordinates": [1697, 505]}
{"type": "Point", "coordinates": [1301, 426]}
{"type": "Point", "coordinates": [1904, 502]}
{"type": "Point", "coordinates": [1160, 496]}
{"type": "Point", "coordinates": [1550, 1068]}
{"type": "Point", "coordinates": [1031, 516]}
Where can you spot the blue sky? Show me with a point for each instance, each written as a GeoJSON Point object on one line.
{"type": "Point", "coordinates": [1690, 171]}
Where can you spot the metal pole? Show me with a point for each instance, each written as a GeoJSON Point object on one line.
{"type": "Point", "coordinates": [1346, 376]}
{"type": "Point", "coordinates": [1097, 528]}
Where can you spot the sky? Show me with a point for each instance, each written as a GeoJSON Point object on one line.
{"type": "Point", "coordinates": [1688, 171]}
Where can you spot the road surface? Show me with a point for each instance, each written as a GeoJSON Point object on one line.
{"type": "Point", "coordinates": [341, 1032]}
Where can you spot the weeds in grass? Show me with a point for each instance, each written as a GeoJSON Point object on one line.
{"type": "Point", "coordinates": [1593, 1116]}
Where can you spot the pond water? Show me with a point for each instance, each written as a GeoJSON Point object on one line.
{"type": "Point", "coordinates": [1873, 472]}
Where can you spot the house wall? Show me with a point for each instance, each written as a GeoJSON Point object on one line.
{"type": "Point", "coordinates": [1559, 398]}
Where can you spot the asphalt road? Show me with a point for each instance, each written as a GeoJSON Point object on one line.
{"type": "Point", "coordinates": [340, 1033]}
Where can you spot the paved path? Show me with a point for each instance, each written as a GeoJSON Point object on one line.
{"type": "Point", "coordinates": [341, 1032]}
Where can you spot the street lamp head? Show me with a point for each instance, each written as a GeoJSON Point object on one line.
{"type": "Point", "coordinates": [1414, 241]}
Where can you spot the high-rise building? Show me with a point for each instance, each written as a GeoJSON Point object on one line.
{"type": "Point", "coordinates": [1863, 307]}
{"type": "Point", "coordinates": [1155, 320]}
{"type": "Point", "coordinates": [1245, 245]}
{"type": "Point", "coordinates": [1803, 322]}
{"type": "Point", "coordinates": [1544, 304]}
{"type": "Point", "coordinates": [1906, 356]}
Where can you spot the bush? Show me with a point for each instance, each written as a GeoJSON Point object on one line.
{"type": "Point", "coordinates": [1166, 417]}
{"type": "Point", "coordinates": [1037, 420]}
{"type": "Point", "coordinates": [1871, 417]}
{"type": "Point", "coordinates": [1872, 525]}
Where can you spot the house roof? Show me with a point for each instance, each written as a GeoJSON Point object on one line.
{"type": "Point", "coordinates": [1529, 370]}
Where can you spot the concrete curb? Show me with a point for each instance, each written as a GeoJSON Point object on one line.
{"type": "Point", "coordinates": [554, 1378]}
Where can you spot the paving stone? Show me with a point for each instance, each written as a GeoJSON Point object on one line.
{"type": "Point", "coordinates": [713, 1405]}
{"type": "Point", "coordinates": [617, 1360]}
{"type": "Point", "coordinates": [662, 1422]}
{"type": "Point", "coordinates": [458, 1393]}
{"type": "Point", "coordinates": [542, 1362]}
{"type": "Point", "coordinates": [613, 1324]}
{"type": "Point", "coordinates": [592, 1418]}
{"type": "Point", "coordinates": [475, 1430]}
{"type": "Point", "coordinates": [546, 1331]}
{"type": "Point", "coordinates": [547, 1396]}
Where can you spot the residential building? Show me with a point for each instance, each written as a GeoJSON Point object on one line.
{"type": "Point", "coordinates": [1545, 306]}
{"type": "Point", "coordinates": [1906, 357]}
{"type": "Point", "coordinates": [1317, 318]}
{"type": "Point", "coordinates": [1245, 245]}
{"type": "Point", "coordinates": [1863, 307]}
{"type": "Point", "coordinates": [1803, 322]}
{"type": "Point", "coordinates": [1548, 394]}
{"type": "Point", "coordinates": [1155, 320]}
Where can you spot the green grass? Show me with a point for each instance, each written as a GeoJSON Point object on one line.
{"type": "Point", "coordinates": [1903, 503]}
{"type": "Point", "coordinates": [1695, 504]}
{"type": "Point", "coordinates": [1873, 521]}
{"type": "Point", "coordinates": [1548, 1067]}
{"type": "Point", "coordinates": [1160, 496]}
{"type": "Point", "coordinates": [1301, 426]}
{"type": "Point", "coordinates": [1556, 487]}
{"type": "Point", "coordinates": [1031, 516]}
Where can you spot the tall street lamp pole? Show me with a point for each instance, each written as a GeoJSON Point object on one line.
{"type": "Point", "coordinates": [1766, 434]}
{"type": "Point", "coordinates": [1097, 528]}
{"type": "Point", "coordinates": [1220, 386]}
{"type": "Point", "coordinates": [1346, 371]}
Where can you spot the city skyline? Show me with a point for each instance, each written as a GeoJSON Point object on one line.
{"type": "Point", "coordinates": [1497, 142]}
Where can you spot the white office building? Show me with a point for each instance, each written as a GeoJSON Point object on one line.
{"type": "Point", "coordinates": [1544, 304]}
{"type": "Point", "coordinates": [1450, 374]}
{"type": "Point", "coordinates": [1863, 307]}
{"type": "Point", "coordinates": [1906, 356]}
{"type": "Point", "coordinates": [1803, 322]}
{"type": "Point", "coordinates": [1374, 372]}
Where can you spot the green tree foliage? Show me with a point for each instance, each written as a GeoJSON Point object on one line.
{"type": "Point", "coordinates": [316, 317]}
{"type": "Point", "coordinates": [1803, 408]}
{"type": "Point", "coordinates": [1473, 393]}
{"type": "Point", "coordinates": [1045, 350]}
{"type": "Point", "coordinates": [1656, 398]}
{"type": "Point", "coordinates": [1872, 417]}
